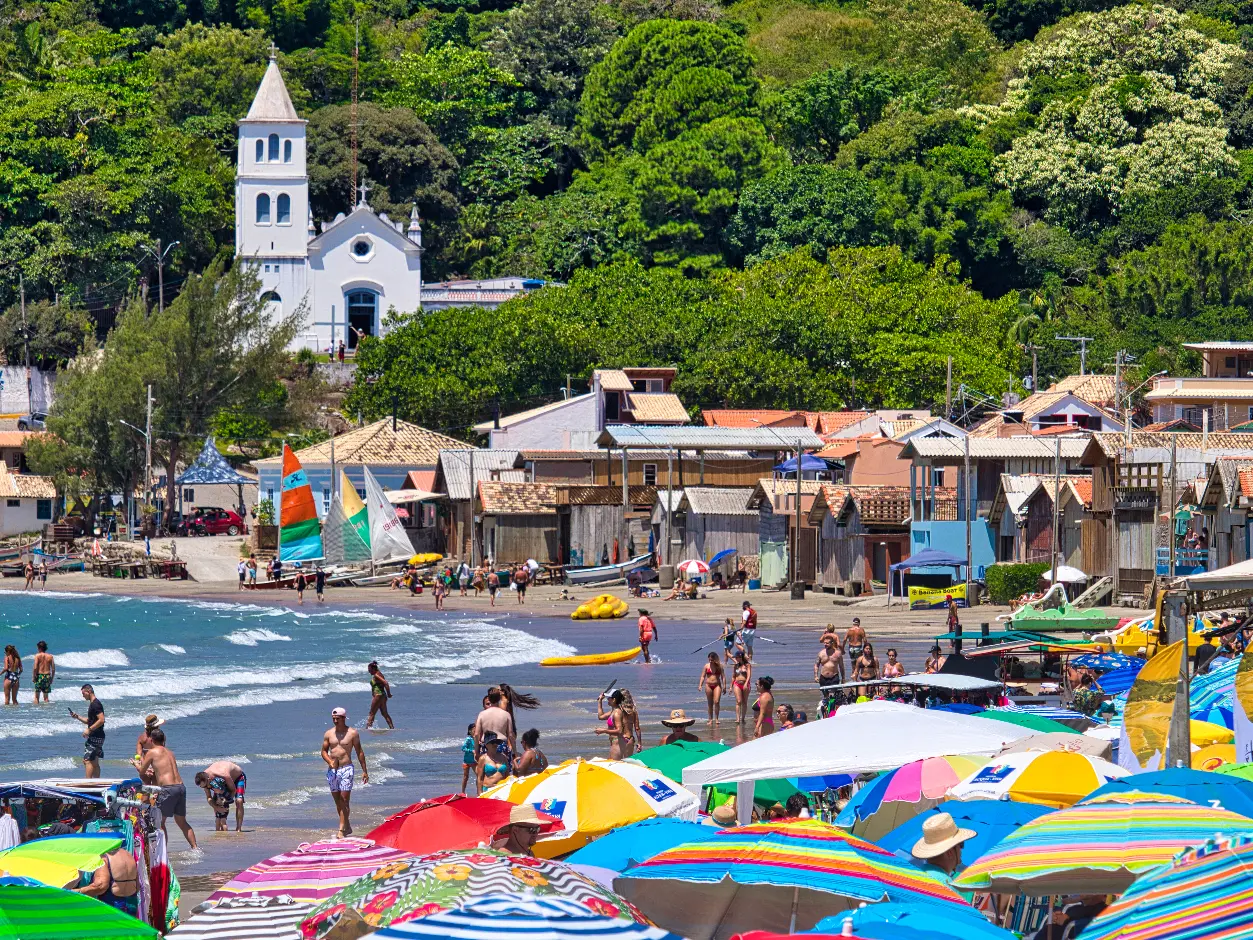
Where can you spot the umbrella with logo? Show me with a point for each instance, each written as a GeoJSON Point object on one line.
{"type": "Point", "coordinates": [246, 918]}
{"type": "Point", "coordinates": [592, 797]}
{"type": "Point", "coordinates": [1048, 778]}
{"type": "Point", "coordinates": [44, 913]}
{"type": "Point", "coordinates": [1097, 847]}
{"type": "Point", "coordinates": [311, 872]}
{"type": "Point", "coordinates": [455, 821]}
{"type": "Point", "coordinates": [443, 881]}
{"type": "Point", "coordinates": [670, 759]}
{"type": "Point", "coordinates": [771, 876]}
{"type": "Point", "coordinates": [498, 917]}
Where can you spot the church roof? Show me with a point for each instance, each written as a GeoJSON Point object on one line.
{"type": "Point", "coordinates": [272, 102]}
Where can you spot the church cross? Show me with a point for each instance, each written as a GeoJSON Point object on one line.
{"type": "Point", "coordinates": [362, 189]}
{"type": "Point", "coordinates": [273, 51]}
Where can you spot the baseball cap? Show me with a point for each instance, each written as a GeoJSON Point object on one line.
{"type": "Point", "coordinates": [339, 713]}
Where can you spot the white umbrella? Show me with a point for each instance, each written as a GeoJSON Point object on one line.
{"type": "Point", "coordinates": [693, 567]}
{"type": "Point", "coordinates": [1065, 574]}
{"type": "Point", "coordinates": [246, 918]}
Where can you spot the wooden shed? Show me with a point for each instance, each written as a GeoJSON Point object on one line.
{"type": "Point", "coordinates": [589, 521]}
{"type": "Point", "coordinates": [518, 522]}
{"type": "Point", "coordinates": [711, 519]}
{"type": "Point", "coordinates": [1022, 518]}
{"type": "Point", "coordinates": [774, 500]}
{"type": "Point", "coordinates": [863, 531]}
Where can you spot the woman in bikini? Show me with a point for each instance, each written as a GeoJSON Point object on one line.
{"type": "Point", "coordinates": [764, 707]}
{"type": "Point", "coordinates": [892, 669]}
{"type": "Point", "coordinates": [865, 668]}
{"type": "Point", "coordinates": [12, 674]}
{"type": "Point", "coordinates": [380, 692]}
{"type": "Point", "coordinates": [741, 676]}
{"type": "Point", "coordinates": [621, 723]}
{"type": "Point", "coordinates": [532, 759]}
{"type": "Point", "coordinates": [712, 679]}
{"type": "Point", "coordinates": [494, 764]}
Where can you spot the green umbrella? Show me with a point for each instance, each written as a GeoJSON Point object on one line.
{"type": "Point", "coordinates": [42, 913]}
{"type": "Point", "coordinates": [1243, 771]}
{"type": "Point", "coordinates": [670, 759]}
{"type": "Point", "coordinates": [57, 861]}
{"type": "Point", "coordinates": [1028, 720]}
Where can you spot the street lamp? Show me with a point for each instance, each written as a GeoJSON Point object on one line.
{"type": "Point", "coordinates": [796, 539]}
{"type": "Point", "coordinates": [147, 457]}
{"type": "Point", "coordinates": [159, 255]}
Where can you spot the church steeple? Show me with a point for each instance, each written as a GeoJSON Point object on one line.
{"type": "Point", "coordinates": [272, 102]}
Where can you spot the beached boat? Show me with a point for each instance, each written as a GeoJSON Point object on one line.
{"type": "Point", "coordinates": [592, 659]}
{"type": "Point", "coordinates": [283, 582]}
{"type": "Point", "coordinates": [598, 574]}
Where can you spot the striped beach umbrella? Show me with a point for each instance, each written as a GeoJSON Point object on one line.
{"type": "Point", "coordinates": [499, 916]}
{"type": "Point", "coordinates": [246, 918]}
{"type": "Point", "coordinates": [43, 913]}
{"type": "Point", "coordinates": [1046, 778]}
{"type": "Point", "coordinates": [899, 795]}
{"type": "Point", "coordinates": [595, 796]}
{"type": "Point", "coordinates": [1097, 847]}
{"type": "Point", "coordinates": [1205, 893]}
{"type": "Point", "coordinates": [771, 876]}
{"type": "Point", "coordinates": [312, 872]}
{"type": "Point", "coordinates": [693, 568]}
{"type": "Point", "coordinates": [443, 881]}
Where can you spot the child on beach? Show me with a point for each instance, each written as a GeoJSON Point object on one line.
{"type": "Point", "coordinates": [468, 761]}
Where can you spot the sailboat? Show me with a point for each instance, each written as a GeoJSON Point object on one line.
{"type": "Point", "coordinates": [388, 540]}
{"type": "Point", "coordinates": [346, 529]}
{"type": "Point", "coordinates": [299, 533]}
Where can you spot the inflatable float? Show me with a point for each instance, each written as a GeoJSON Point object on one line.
{"type": "Point", "coordinates": [592, 659]}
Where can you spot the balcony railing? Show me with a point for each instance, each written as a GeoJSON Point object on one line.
{"type": "Point", "coordinates": [1187, 561]}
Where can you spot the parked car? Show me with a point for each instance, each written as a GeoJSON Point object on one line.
{"type": "Point", "coordinates": [35, 421]}
{"type": "Point", "coordinates": [213, 520]}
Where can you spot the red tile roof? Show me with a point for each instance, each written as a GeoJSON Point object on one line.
{"type": "Point", "coordinates": [751, 417]}
{"type": "Point", "coordinates": [1083, 489]}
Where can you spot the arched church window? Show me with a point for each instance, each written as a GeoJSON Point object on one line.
{"type": "Point", "coordinates": [287, 151]}
{"type": "Point", "coordinates": [274, 148]}
{"type": "Point", "coordinates": [263, 209]}
{"type": "Point", "coordinates": [260, 151]}
{"type": "Point", "coordinates": [284, 209]}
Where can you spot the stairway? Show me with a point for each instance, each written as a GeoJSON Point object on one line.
{"type": "Point", "coordinates": [1097, 590]}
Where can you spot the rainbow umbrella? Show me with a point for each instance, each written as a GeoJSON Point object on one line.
{"type": "Point", "coordinates": [1097, 847]}
{"type": "Point", "coordinates": [57, 860]}
{"type": "Point", "coordinates": [312, 872]}
{"type": "Point", "coordinates": [1046, 778]}
{"type": "Point", "coordinates": [901, 794]}
{"type": "Point", "coordinates": [1206, 892]}
{"type": "Point", "coordinates": [771, 876]}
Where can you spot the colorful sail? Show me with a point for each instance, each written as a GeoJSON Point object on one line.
{"type": "Point", "coordinates": [388, 539]}
{"type": "Point", "coordinates": [355, 511]}
{"type": "Point", "coordinates": [1150, 706]}
{"type": "Point", "coordinates": [299, 533]}
{"type": "Point", "coordinates": [346, 530]}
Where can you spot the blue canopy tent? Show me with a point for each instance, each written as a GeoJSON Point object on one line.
{"type": "Point", "coordinates": [211, 468]}
{"type": "Point", "coordinates": [809, 464]}
{"type": "Point", "coordinates": [927, 558]}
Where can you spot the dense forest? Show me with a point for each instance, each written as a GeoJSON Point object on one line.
{"type": "Point", "coordinates": [799, 202]}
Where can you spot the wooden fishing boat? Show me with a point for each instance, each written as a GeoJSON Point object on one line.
{"type": "Point", "coordinates": [598, 574]}
{"type": "Point", "coordinates": [593, 659]}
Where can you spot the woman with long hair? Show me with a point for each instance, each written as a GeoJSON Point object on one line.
{"type": "Point", "coordinates": [622, 723]}
{"type": "Point", "coordinates": [12, 674]}
{"type": "Point", "coordinates": [380, 692]}
{"type": "Point", "coordinates": [741, 676]}
{"type": "Point", "coordinates": [511, 698]}
{"type": "Point", "coordinates": [712, 678]}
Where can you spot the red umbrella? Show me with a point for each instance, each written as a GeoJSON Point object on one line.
{"type": "Point", "coordinates": [455, 821]}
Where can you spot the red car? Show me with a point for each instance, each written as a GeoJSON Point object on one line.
{"type": "Point", "coordinates": [216, 521]}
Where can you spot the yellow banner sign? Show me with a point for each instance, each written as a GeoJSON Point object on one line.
{"type": "Point", "coordinates": [925, 598]}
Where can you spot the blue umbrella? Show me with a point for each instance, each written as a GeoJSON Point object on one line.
{"type": "Point", "coordinates": [808, 463]}
{"type": "Point", "coordinates": [1221, 791]}
{"type": "Point", "coordinates": [621, 848]}
{"type": "Point", "coordinates": [991, 820]}
{"type": "Point", "coordinates": [494, 917]}
{"type": "Point", "coordinates": [725, 553]}
{"type": "Point", "coordinates": [16, 881]}
{"type": "Point", "coordinates": [1119, 680]}
{"type": "Point", "coordinates": [904, 921]}
{"type": "Point", "coordinates": [821, 783]}
{"type": "Point", "coordinates": [1215, 714]}
{"type": "Point", "coordinates": [1108, 661]}
{"type": "Point", "coordinates": [959, 708]}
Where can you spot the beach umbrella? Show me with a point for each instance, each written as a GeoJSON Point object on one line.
{"type": "Point", "coordinates": [312, 871]}
{"type": "Point", "coordinates": [246, 918]}
{"type": "Point", "coordinates": [1243, 771]}
{"type": "Point", "coordinates": [899, 795]}
{"type": "Point", "coordinates": [1062, 741]}
{"type": "Point", "coordinates": [1220, 791]}
{"type": "Point", "coordinates": [723, 556]}
{"type": "Point", "coordinates": [693, 567]}
{"type": "Point", "coordinates": [1221, 715]}
{"type": "Point", "coordinates": [455, 821]}
{"type": "Point", "coordinates": [1120, 680]}
{"type": "Point", "coordinates": [497, 917]}
{"type": "Point", "coordinates": [1065, 574]}
{"type": "Point", "coordinates": [1105, 662]}
{"type": "Point", "coordinates": [670, 759]}
{"type": "Point", "coordinates": [1213, 756]}
{"type": "Point", "coordinates": [57, 860]}
{"type": "Point", "coordinates": [821, 782]}
{"type": "Point", "coordinates": [1205, 733]}
{"type": "Point", "coordinates": [403, 891]}
{"type": "Point", "coordinates": [1097, 847]}
{"type": "Point", "coordinates": [783, 875]}
{"type": "Point", "coordinates": [591, 797]}
{"type": "Point", "coordinates": [1028, 720]}
{"type": "Point", "coordinates": [990, 820]}
{"type": "Point", "coordinates": [898, 921]}
{"type": "Point", "coordinates": [622, 848]}
{"type": "Point", "coordinates": [1049, 778]}
{"type": "Point", "coordinates": [45, 913]}
{"type": "Point", "coordinates": [1205, 892]}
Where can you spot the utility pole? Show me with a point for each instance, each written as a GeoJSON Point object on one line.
{"type": "Point", "coordinates": [966, 499]}
{"type": "Point", "coordinates": [1057, 498]}
{"type": "Point", "coordinates": [21, 286]}
{"type": "Point", "coordinates": [796, 539]}
{"type": "Point", "coordinates": [626, 530]}
{"type": "Point", "coordinates": [471, 522]}
{"type": "Point", "coordinates": [948, 391]}
{"type": "Point", "coordinates": [1170, 513]}
{"type": "Point", "coordinates": [669, 503]}
{"type": "Point", "coordinates": [1083, 350]}
{"type": "Point", "coordinates": [1035, 363]}
{"type": "Point", "coordinates": [148, 450]}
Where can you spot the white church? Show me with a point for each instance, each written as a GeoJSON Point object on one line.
{"type": "Point", "coordinates": [351, 271]}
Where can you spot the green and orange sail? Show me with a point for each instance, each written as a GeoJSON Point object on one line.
{"type": "Point", "coordinates": [300, 533]}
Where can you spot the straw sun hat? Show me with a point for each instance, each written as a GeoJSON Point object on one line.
{"type": "Point", "coordinates": [939, 834]}
{"type": "Point", "coordinates": [678, 719]}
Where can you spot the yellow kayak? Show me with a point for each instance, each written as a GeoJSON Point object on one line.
{"type": "Point", "coordinates": [592, 659]}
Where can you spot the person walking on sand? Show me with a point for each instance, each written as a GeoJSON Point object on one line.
{"type": "Point", "coordinates": [648, 633]}
{"type": "Point", "coordinates": [438, 590]}
{"type": "Point", "coordinates": [622, 723]}
{"type": "Point", "coordinates": [252, 569]}
{"type": "Point", "coordinates": [521, 577]}
{"type": "Point", "coordinates": [160, 764]}
{"type": "Point", "coordinates": [380, 692]}
{"type": "Point", "coordinates": [741, 677]}
{"type": "Point", "coordinates": [45, 672]}
{"type": "Point", "coordinates": [463, 577]}
{"type": "Point", "coordinates": [241, 569]}
{"type": "Point", "coordinates": [29, 571]}
{"type": "Point", "coordinates": [712, 678]}
{"type": "Point", "coordinates": [93, 735]}
{"type": "Point", "coordinates": [338, 745]}
{"type": "Point", "coordinates": [319, 584]}
{"type": "Point", "coordinates": [43, 576]}
{"type": "Point", "coordinates": [764, 707]}
{"type": "Point", "coordinates": [12, 674]}
{"type": "Point", "coordinates": [951, 622]}
{"type": "Point", "coordinates": [680, 728]}
{"type": "Point", "coordinates": [224, 783]}
{"type": "Point", "coordinates": [493, 585]}
{"type": "Point", "coordinates": [854, 640]}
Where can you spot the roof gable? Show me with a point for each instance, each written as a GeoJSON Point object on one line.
{"type": "Point", "coordinates": [272, 102]}
{"type": "Point", "coordinates": [503, 499]}
{"type": "Point", "coordinates": [362, 220]}
{"type": "Point", "coordinates": [407, 446]}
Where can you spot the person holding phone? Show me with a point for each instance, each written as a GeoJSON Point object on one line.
{"type": "Point", "coordinates": [93, 743]}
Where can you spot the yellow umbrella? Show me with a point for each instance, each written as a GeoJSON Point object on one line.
{"type": "Point", "coordinates": [58, 861]}
{"type": "Point", "coordinates": [1205, 733]}
{"type": "Point", "coordinates": [1213, 756]}
{"type": "Point", "coordinates": [594, 796]}
{"type": "Point", "coordinates": [1046, 778]}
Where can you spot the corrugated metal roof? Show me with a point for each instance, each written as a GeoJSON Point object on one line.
{"type": "Point", "coordinates": [500, 499]}
{"type": "Point", "coordinates": [1220, 345]}
{"type": "Point", "coordinates": [1113, 442]}
{"type": "Point", "coordinates": [669, 499]}
{"type": "Point", "coordinates": [719, 500]}
{"type": "Point", "coordinates": [997, 448]}
{"type": "Point", "coordinates": [614, 380]}
{"type": "Point", "coordinates": [409, 445]}
{"type": "Point", "coordinates": [489, 464]}
{"type": "Point", "coordinates": [657, 406]}
{"type": "Point", "coordinates": [706, 438]}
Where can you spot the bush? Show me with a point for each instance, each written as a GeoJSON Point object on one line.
{"type": "Point", "coordinates": [1006, 582]}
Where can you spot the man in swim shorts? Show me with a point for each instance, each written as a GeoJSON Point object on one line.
{"type": "Point", "coordinates": [45, 671]}
{"type": "Point", "coordinates": [159, 762]}
{"type": "Point", "coordinates": [224, 783]}
{"type": "Point", "coordinates": [338, 745]}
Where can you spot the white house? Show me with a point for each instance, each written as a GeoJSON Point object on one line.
{"type": "Point", "coordinates": [28, 502]}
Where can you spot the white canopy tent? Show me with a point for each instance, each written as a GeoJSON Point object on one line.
{"type": "Point", "coordinates": [949, 681]}
{"type": "Point", "coordinates": [1237, 577]}
{"type": "Point", "coordinates": [859, 738]}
